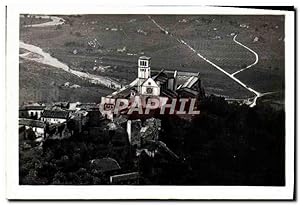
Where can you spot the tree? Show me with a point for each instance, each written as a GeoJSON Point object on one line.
{"type": "Point", "coordinates": [30, 134]}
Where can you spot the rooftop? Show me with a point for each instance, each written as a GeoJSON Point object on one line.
{"type": "Point", "coordinates": [31, 123]}
{"type": "Point", "coordinates": [33, 107]}
{"type": "Point", "coordinates": [167, 73]}
{"type": "Point", "coordinates": [161, 77]}
{"type": "Point", "coordinates": [88, 106]}
{"type": "Point", "coordinates": [169, 93]}
{"type": "Point", "coordinates": [190, 82]}
{"type": "Point", "coordinates": [55, 114]}
{"type": "Point", "coordinates": [187, 92]}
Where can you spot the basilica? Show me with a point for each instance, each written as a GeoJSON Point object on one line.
{"type": "Point", "coordinates": [155, 83]}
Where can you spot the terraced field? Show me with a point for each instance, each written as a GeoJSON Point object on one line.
{"type": "Point", "coordinates": [109, 45]}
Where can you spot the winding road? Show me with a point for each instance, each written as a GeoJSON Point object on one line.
{"type": "Point", "coordinates": [249, 49]}
{"type": "Point", "coordinates": [256, 93]}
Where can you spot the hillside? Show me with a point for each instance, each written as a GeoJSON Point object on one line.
{"type": "Point", "coordinates": [113, 43]}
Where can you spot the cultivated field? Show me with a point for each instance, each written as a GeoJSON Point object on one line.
{"type": "Point", "coordinates": [41, 83]}
{"type": "Point", "coordinates": [109, 45]}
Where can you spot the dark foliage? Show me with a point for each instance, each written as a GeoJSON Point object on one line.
{"type": "Point", "coordinates": [68, 161]}
{"type": "Point", "coordinates": [226, 144]}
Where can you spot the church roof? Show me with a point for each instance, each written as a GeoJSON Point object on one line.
{"type": "Point", "coordinates": [187, 92]}
{"type": "Point", "coordinates": [169, 93]}
{"type": "Point", "coordinates": [149, 80]}
{"type": "Point", "coordinates": [124, 91]}
{"type": "Point", "coordinates": [190, 82]}
{"type": "Point", "coordinates": [162, 78]}
{"type": "Point", "coordinates": [168, 73]}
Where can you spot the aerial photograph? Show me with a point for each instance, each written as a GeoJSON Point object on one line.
{"type": "Point", "coordinates": [132, 99]}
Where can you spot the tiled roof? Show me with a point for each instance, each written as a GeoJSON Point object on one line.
{"type": "Point", "coordinates": [167, 73]}
{"type": "Point", "coordinates": [187, 92]}
{"type": "Point", "coordinates": [124, 93]}
{"type": "Point", "coordinates": [33, 107]}
{"type": "Point", "coordinates": [55, 114]}
{"type": "Point", "coordinates": [169, 93]}
{"type": "Point", "coordinates": [31, 123]}
{"type": "Point", "coordinates": [162, 78]}
{"type": "Point", "coordinates": [61, 104]}
{"type": "Point", "coordinates": [88, 106]}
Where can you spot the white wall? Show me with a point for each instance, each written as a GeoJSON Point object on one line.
{"type": "Point", "coordinates": [39, 131]}
{"type": "Point", "coordinates": [144, 69]}
{"type": "Point", "coordinates": [53, 120]}
{"type": "Point", "coordinates": [155, 90]}
{"type": "Point", "coordinates": [171, 84]}
{"type": "Point", "coordinates": [35, 112]}
{"type": "Point", "coordinates": [150, 83]}
{"type": "Point", "coordinates": [144, 72]}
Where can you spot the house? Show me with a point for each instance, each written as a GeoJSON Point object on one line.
{"type": "Point", "coordinates": [79, 119]}
{"type": "Point", "coordinates": [57, 131]}
{"type": "Point", "coordinates": [62, 105]}
{"type": "Point", "coordinates": [55, 116]}
{"type": "Point", "coordinates": [87, 106]}
{"type": "Point", "coordinates": [38, 127]}
{"type": "Point", "coordinates": [33, 111]}
{"type": "Point", "coordinates": [73, 106]}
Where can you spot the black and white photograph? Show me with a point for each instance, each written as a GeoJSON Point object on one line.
{"type": "Point", "coordinates": [143, 99]}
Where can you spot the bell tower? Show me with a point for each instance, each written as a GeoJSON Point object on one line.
{"type": "Point", "coordinates": [144, 71]}
{"type": "Point", "coordinates": [144, 67]}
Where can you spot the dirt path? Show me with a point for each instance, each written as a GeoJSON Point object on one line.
{"type": "Point", "coordinates": [256, 93]}
{"type": "Point", "coordinates": [47, 59]}
{"type": "Point", "coordinates": [249, 49]}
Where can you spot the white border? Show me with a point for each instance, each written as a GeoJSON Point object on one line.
{"type": "Point", "coordinates": [15, 191]}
